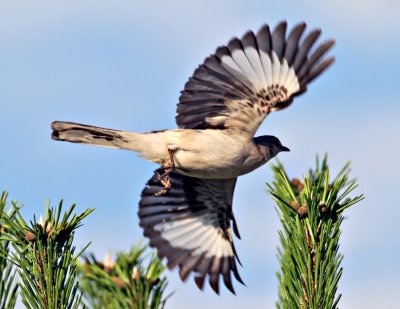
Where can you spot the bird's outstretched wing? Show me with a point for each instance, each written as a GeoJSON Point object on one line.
{"type": "Point", "coordinates": [239, 85]}
{"type": "Point", "coordinates": [191, 227]}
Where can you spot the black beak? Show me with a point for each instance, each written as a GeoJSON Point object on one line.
{"type": "Point", "coordinates": [284, 148]}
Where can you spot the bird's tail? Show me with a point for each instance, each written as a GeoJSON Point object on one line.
{"type": "Point", "coordinates": [85, 134]}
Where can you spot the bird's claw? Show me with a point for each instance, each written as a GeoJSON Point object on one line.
{"type": "Point", "coordinates": [165, 178]}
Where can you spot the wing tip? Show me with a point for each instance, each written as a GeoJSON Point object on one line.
{"type": "Point", "coordinates": [199, 280]}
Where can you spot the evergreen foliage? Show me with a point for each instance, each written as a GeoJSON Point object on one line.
{"type": "Point", "coordinates": [45, 257]}
{"type": "Point", "coordinates": [8, 283]}
{"type": "Point", "coordinates": [311, 213]}
{"type": "Point", "coordinates": [50, 276]}
{"type": "Point", "coordinates": [125, 283]}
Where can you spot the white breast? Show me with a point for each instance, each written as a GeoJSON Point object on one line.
{"type": "Point", "coordinates": [216, 154]}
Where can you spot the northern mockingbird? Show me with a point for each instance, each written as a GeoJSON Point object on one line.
{"type": "Point", "coordinates": [186, 207]}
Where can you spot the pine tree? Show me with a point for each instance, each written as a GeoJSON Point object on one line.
{"type": "Point", "coordinates": [8, 283]}
{"type": "Point", "coordinates": [45, 257]}
{"type": "Point", "coordinates": [125, 282]}
{"type": "Point", "coordinates": [311, 213]}
{"type": "Point", "coordinates": [50, 275]}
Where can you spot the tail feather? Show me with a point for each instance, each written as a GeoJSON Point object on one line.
{"type": "Point", "coordinates": [85, 134]}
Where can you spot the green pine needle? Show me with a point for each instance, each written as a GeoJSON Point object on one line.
{"type": "Point", "coordinates": [8, 281]}
{"type": "Point", "coordinates": [125, 283]}
{"type": "Point", "coordinates": [45, 257]}
{"type": "Point", "coordinates": [311, 212]}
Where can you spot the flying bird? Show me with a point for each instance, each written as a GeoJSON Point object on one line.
{"type": "Point", "coordinates": [186, 207]}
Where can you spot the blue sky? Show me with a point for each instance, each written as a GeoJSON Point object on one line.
{"type": "Point", "coordinates": [121, 64]}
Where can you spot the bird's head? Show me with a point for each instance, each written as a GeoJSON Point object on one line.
{"type": "Point", "coordinates": [269, 146]}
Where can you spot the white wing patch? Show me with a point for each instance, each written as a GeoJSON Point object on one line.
{"type": "Point", "coordinates": [197, 234]}
{"type": "Point", "coordinates": [241, 60]}
{"type": "Point", "coordinates": [276, 68]}
{"type": "Point", "coordinates": [255, 62]}
{"type": "Point", "coordinates": [261, 70]}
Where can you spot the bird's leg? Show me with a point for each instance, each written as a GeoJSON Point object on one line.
{"type": "Point", "coordinates": [168, 165]}
{"type": "Point", "coordinates": [165, 179]}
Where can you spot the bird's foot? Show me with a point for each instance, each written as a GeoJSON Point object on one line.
{"type": "Point", "coordinates": [165, 178]}
{"type": "Point", "coordinates": [165, 181]}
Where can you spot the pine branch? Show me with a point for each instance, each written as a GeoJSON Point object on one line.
{"type": "Point", "coordinates": [311, 212]}
{"type": "Point", "coordinates": [8, 283]}
{"type": "Point", "coordinates": [45, 257]}
{"type": "Point", "coordinates": [125, 283]}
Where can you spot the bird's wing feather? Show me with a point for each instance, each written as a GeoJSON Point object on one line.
{"type": "Point", "coordinates": [237, 86]}
{"type": "Point", "coordinates": [191, 227]}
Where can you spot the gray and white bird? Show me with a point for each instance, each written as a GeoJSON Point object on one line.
{"type": "Point", "coordinates": [186, 207]}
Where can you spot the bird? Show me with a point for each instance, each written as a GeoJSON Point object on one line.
{"type": "Point", "coordinates": [185, 209]}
